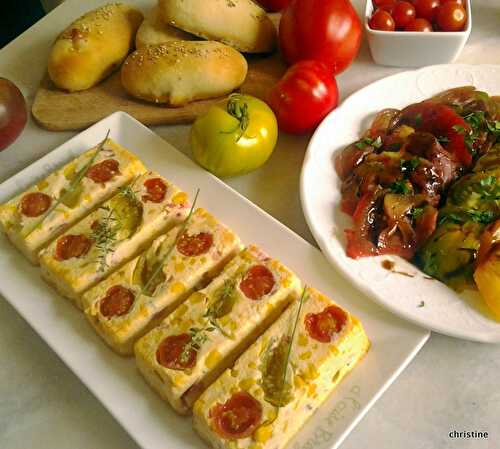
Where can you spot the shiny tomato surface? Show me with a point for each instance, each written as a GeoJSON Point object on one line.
{"type": "Point", "coordinates": [304, 96]}
{"type": "Point", "coordinates": [325, 30]}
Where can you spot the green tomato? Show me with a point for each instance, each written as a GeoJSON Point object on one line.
{"type": "Point", "coordinates": [236, 136]}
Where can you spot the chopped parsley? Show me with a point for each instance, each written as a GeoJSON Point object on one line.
{"type": "Point", "coordinates": [418, 120]}
{"type": "Point", "coordinates": [482, 217]}
{"type": "Point", "coordinates": [367, 141]}
{"type": "Point", "coordinates": [416, 212]}
{"type": "Point", "coordinates": [489, 188]}
{"type": "Point", "coordinates": [409, 165]}
{"type": "Point", "coordinates": [400, 186]}
{"type": "Point", "coordinates": [470, 137]}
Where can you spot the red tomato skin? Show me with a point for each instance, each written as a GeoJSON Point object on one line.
{"type": "Point", "coordinates": [386, 5]}
{"type": "Point", "coordinates": [403, 14]}
{"type": "Point", "coordinates": [273, 5]}
{"type": "Point", "coordinates": [382, 21]}
{"type": "Point", "coordinates": [458, 2]}
{"type": "Point", "coordinates": [326, 30]}
{"type": "Point", "coordinates": [451, 17]}
{"type": "Point", "coordinates": [303, 97]}
{"type": "Point", "coordinates": [13, 114]}
{"type": "Point", "coordinates": [426, 9]}
{"type": "Point", "coordinates": [421, 25]}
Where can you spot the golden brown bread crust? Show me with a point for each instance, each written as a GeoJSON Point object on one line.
{"type": "Point", "coordinates": [179, 72]}
{"type": "Point", "coordinates": [153, 32]}
{"type": "Point", "coordinates": [93, 46]}
{"type": "Point", "coordinates": [242, 24]}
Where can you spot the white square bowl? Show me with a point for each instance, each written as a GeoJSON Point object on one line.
{"type": "Point", "coordinates": [414, 48]}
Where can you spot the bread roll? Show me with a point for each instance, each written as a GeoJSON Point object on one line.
{"type": "Point", "coordinates": [93, 46]}
{"type": "Point", "coordinates": [179, 72]}
{"type": "Point", "coordinates": [153, 31]}
{"type": "Point", "coordinates": [242, 24]}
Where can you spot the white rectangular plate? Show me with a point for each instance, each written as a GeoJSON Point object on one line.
{"type": "Point", "coordinates": [115, 380]}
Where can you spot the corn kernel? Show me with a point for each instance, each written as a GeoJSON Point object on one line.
{"type": "Point", "coordinates": [263, 433]}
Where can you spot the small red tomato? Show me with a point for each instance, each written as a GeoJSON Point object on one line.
{"type": "Point", "coordinates": [451, 17]}
{"type": "Point", "coordinates": [426, 9]}
{"type": "Point", "coordinates": [382, 21]}
{"type": "Point", "coordinates": [304, 96]}
{"type": "Point", "coordinates": [386, 5]}
{"type": "Point", "coordinates": [403, 14]}
{"type": "Point", "coordinates": [422, 25]}
{"type": "Point", "coordinates": [458, 2]}
{"type": "Point", "coordinates": [273, 5]}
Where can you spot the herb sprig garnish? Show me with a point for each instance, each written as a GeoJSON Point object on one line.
{"type": "Point", "coordinates": [129, 193]}
{"type": "Point", "coordinates": [72, 187]}
{"type": "Point", "coordinates": [367, 141]}
{"type": "Point", "coordinates": [171, 248]}
{"type": "Point", "coordinates": [198, 338]}
{"type": "Point", "coordinates": [104, 235]}
{"type": "Point", "coordinates": [276, 364]}
{"type": "Point", "coordinates": [222, 305]}
{"type": "Point", "coordinates": [239, 112]}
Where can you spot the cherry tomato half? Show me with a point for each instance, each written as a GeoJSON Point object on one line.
{"type": "Point", "coordinates": [304, 96]}
{"type": "Point", "coordinates": [451, 17]}
{"type": "Point", "coordinates": [403, 14]}
{"type": "Point", "coordinates": [419, 24]}
{"type": "Point", "coordinates": [426, 9]}
{"type": "Point", "coordinates": [382, 21]}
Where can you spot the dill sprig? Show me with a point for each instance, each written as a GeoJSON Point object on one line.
{"type": "Point", "coordinates": [171, 248]}
{"type": "Point", "coordinates": [129, 193]}
{"type": "Point", "coordinates": [72, 187]}
{"type": "Point", "coordinates": [104, 235]}
{"type": "Point", "coordinates": [294, 330]}
{"type": "Point", "coordinates": [198, 338]}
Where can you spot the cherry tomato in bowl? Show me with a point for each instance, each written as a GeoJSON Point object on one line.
{"type": "Point", "coordinates": [325, 30]}
{"type": "Point", "coordinates": [13, 114]}
{"type": "Point", "coordinates": [382, 21]}
{"type": "Point", "coordinates": [403, 13]}
{"type": "Point", "coordinates": [422, 25]}
{"type": "Point", "coordinates": [304, 96]}
{"type": "Point", "coordinates": [451, 17]}
{"type": "Point", "coordinates": [426, 9]}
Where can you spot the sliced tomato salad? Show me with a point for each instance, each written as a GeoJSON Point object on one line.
{"type": "Point", "coordinates": [395, 177]}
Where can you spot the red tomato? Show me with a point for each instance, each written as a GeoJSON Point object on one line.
{"type": "Point", "coordinates": [379, 3]}
{"type": "Point", "coordinates": [238, 417]}
{"type": "Point", "coordinates": [172, 352]}
{"type": "Point", "coordinates": [458, 2]}
{"type": "Point", "coordinates": [382, 21]}
{"type": "Point", "coordinates": [426, 9]}
{"type": "Point", "coordinates": [117, 302]}
{"type": "Point", "coordinates": [386, 5]}
{"type": "Point", "coordinates": [325, 30]}
{"type": "Point", "coordinates": [419, 25]}
{"type": "Point", "coordinates": [257, 282]}
{"type": "Point", "coordinates": [326, 325]}
{"type": "Point", "coordinates": [403, 14]}
{"type": "Point", "coordinates": [451, 17]}
{"type": "Point", "coordinates": [273, 5]}
{"type": "Point", "coordinates": [304, 96]}
{"type": "Point", "coordinates": [13, 113]}
{"type": "Point", "coordinates": [195, 245]}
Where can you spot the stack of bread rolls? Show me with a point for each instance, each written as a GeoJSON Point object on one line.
{"type": "Point", "coordinates": [186, 50]}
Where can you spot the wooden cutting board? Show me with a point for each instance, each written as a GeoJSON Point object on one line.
{"type": "Point", "coordinates": [56, 110]}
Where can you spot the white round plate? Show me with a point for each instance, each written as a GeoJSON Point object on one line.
{"type": "Point", "coordinates": [411, 295]}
